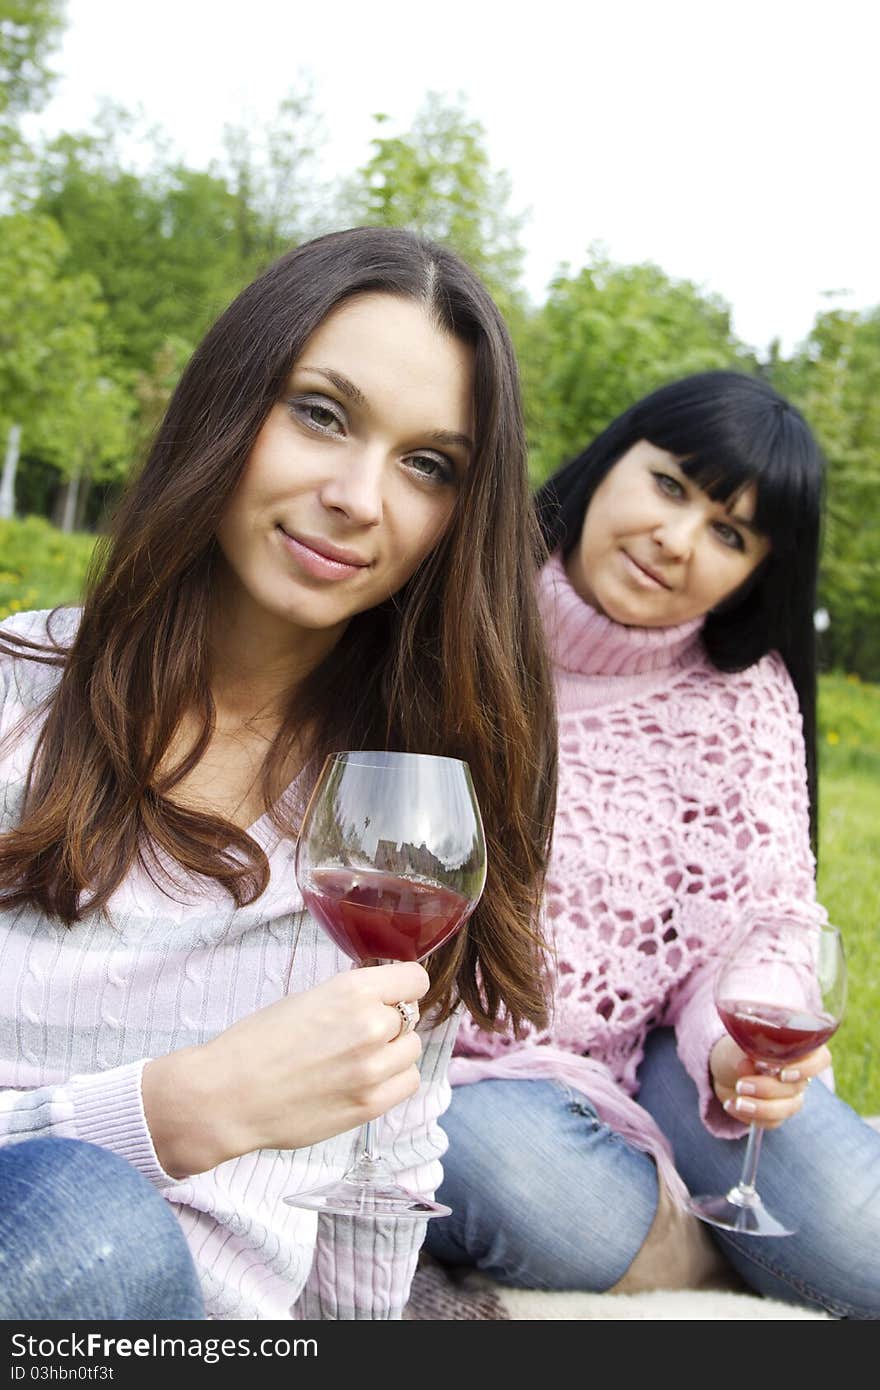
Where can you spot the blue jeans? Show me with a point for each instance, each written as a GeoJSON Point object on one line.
{"type": "Point", "coordinates": [83, 1235]}
{"type": "Point", "coordinates": [544, 1195]}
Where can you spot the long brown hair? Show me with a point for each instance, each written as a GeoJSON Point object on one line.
{"type": "Point", "coordinates": [452, 664]}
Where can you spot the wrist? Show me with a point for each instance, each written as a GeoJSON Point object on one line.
{"type": "Point", "coordinates": [184, 1112]}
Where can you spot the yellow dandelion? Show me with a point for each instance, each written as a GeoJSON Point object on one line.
{"type": "Point", "coordinates": [833, 736]}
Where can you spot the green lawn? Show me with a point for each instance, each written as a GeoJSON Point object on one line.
{"type": "Point", "coordinates": [849, 871]}
{"type": "Point", "coordinates": [40, 567]}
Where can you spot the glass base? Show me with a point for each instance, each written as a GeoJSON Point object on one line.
{"type": "Point", "coordinates": [743, 1213]}
{"type": "Point", "coordinates": [351, 1196]}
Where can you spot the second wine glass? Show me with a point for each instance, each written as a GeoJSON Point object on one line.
{"type": "Point", "coordinates": [780, 993]}
{"type": "Point", "coordinates": [391, 860]}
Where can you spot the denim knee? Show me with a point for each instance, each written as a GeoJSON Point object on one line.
{"type": "Point", "coordinates": [84, 1235]}
{"type": "Point", "coordinates": [543, 1194]}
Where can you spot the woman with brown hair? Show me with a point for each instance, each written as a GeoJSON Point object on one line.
{"type": "Point", "coordinates": [330, 546]}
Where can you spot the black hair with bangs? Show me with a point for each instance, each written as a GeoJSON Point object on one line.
{"type": "Point", "coordinates": [728, 430]}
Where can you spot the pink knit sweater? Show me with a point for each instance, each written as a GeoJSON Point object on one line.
{"type": "Point", "coordinates": [682, 808]}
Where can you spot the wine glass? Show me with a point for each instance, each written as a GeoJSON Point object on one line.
{"type": "Point", "coordinates": [391, 860]}
{"type": "Point", "coordinates": [781, 993]}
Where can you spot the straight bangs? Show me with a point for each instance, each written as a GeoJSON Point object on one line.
{"type": "Point", "coordinates": [769, 448]}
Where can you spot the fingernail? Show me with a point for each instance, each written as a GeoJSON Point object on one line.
{"type": "Point", "coordinates": [727, 1105]}
{"type": "Point", "coordinates": [745, 1107]}
{"type": "Point", "coordinates": [790, 1074]}
{"type": "Point", "coordinates": [746, 1088]}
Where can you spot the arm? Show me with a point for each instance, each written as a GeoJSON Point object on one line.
{"type": "Point", "coordinates": [305, 1068]}
{"type": "Point", "coordinates": [104, 1109]}
{"type": "Point", "coordinates": [363, 1268]}
{"type": "Point", "coordinates": [763, 860]}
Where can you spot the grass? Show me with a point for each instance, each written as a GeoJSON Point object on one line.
{"type": "Point", "coordinates": [849, 871]}
{"type": "Point", "coordinates": [40, 567]}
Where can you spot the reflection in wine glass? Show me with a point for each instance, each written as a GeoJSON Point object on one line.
{"type": "Point", "coordinates": [391, 860]}
{"type": "Point", "coordinates": [780, 993]}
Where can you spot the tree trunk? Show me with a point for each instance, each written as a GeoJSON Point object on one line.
{"type": "Point", "coordinates": [68, 514]}
{"type": "Point", "coordinates": [10, 465]}
{"type": "Point", "coordinates": [82, 501]}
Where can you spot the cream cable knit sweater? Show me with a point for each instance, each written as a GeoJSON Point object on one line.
{"type": "Point", "coordinates": [82, 1009]}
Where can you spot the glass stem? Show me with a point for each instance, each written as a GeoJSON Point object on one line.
{"type": "Point", "coordinates": [368, 1148]}
{"type": "Point", "coordinates": [750, 1161]}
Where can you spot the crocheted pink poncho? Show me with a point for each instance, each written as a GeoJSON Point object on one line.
{"type": "Point", "coordinates": [682, 809]}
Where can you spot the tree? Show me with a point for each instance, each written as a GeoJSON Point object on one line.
{"type": "Point", "coordinates": [835, 379]}
{"type": "Point", "coordinates": [273, 176]}
{"type": "Point", "coordinates": [160, 244]}
{"type": "Point", "coordinates": [437, 179]}
{"type": "Point", "coordinates": [607, 335]}
{"type": "Point", "coordinates": [49, 356]}
{"type": "Point", "coordinates": [29, 30]}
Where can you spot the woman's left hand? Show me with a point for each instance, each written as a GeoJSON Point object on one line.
{"type": "Point", "coordinates": [759, 1097]}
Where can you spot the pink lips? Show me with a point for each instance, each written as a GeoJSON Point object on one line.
{"type": "Point", "coordinates": [642, 572]}
{"type": "Point", "coordinates": [321, 559]}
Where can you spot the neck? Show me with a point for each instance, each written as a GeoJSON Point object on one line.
{"type": "Point", "coordinates": [257, 659]}
{"type": "Point", "coordinates": [587, 643]}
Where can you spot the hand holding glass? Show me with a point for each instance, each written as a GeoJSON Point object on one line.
{"type": "Point", "coordinates": [781, 993]}
{"type": "Point", "coordinates": [391, 860]}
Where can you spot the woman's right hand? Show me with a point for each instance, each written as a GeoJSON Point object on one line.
{"type": "Point", "coordinates": [303, 1069]}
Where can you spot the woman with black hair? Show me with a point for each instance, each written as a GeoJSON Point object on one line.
{"type": "Point", "coordinates": [678, 601]}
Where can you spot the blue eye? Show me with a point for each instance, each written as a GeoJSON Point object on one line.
{"type": "Point", "coordinates": [669, 486]}
{"type": "Point", "coordinates": [729, 536]}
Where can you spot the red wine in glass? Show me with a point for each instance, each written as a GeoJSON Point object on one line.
{"type": "Point", "coordinates": [373, 915]}
{"type": "Point", "coordinates": [391, 862]}
{"type": "Point", "coordinates": [780, 993]}
{"type": "Point", "coordinates": [772, 1033]}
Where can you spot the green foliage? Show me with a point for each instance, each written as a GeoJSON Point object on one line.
{"type": "Point", "coordinates": [607, 335]}
{"type": "Point", "coordinates": [29, 30]}
{"type": "Point", "coordinates": [273, 176]}
{"type": "Point", "coordinates": [438, 180]}
{"type": "Point", "coordinates": [40, 567]}
{"type": "Point", "coordinates": [160, 246]}
{"type": "Point", "coordinates": [52, 378]}
{"type": "Point", "coordinates": [849, 870]}
{"type": "Point", "coordinates": [836, 381]}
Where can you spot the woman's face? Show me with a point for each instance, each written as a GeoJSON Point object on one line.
{"type": "Point", "coordinates": [655, 550]}
{"type": "Point", "coordinates": [354, 476]}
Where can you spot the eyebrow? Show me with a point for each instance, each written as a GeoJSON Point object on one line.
{"type": "Point", "coordinates": [451, 438]}
{"type": "Point", "coordinates": [341, 383]}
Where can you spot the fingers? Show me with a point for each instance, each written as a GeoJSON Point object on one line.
{"type": "Point", "coordinates": [399, 980]}
{"type": "Point", "coordinates": [803, 1069]}
{"type": "Point", "coordinates": [769, 1113]}
{"type": "Point", "coordinates": [764, 1100]}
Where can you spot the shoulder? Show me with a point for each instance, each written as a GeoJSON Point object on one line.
{"type": "Point", "coordinates": [32, 647]}
{"type": "Point", "coordinates": [48, 626]}
{"type": "Point", "coordinates": [751, 717]}
{"type": "Point", "coordinates": [762, 691]}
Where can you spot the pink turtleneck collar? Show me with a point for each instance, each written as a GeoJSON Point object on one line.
{"type": "Point", "coordinates": [587, 643]}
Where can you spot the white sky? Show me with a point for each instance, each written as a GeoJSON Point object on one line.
{"type": "Point", "coordinates": [735, 145]}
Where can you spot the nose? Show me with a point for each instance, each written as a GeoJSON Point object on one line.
{"type": "Point", "coordinates": [676, 534]}
{"type": "Point", "coordinates": [355, 488]}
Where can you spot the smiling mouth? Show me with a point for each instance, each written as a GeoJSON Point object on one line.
{"type": "Point", "coordinates": [648, 573]}
{"type": "Point", "coordinates": [323, 551]}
